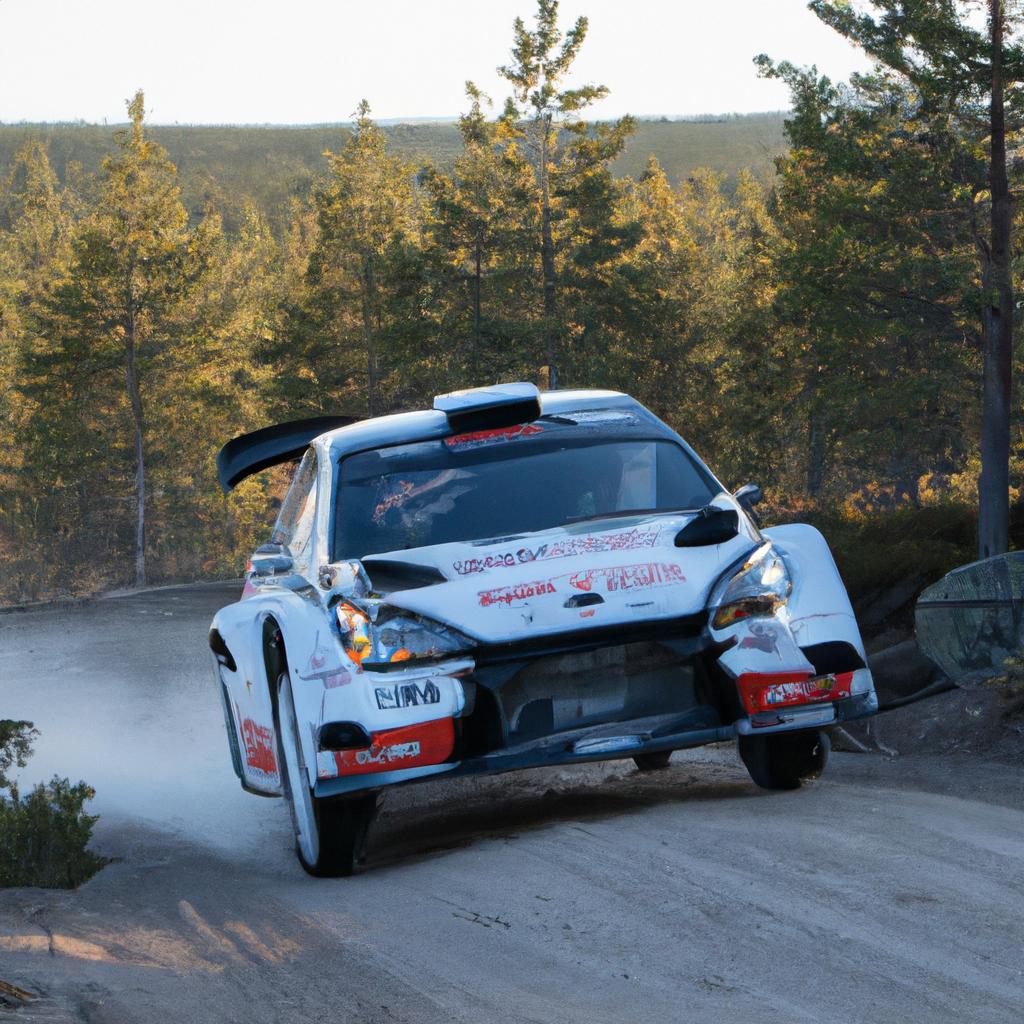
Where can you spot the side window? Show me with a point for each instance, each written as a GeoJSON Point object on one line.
{"type": "Point", "coordinates": [294, 526]}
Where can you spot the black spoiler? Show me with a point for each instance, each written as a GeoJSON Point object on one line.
{"type": "Point", "coordinates": [249, 453]}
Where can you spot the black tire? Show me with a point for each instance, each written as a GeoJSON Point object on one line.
{"type": "Point", "coordinates": [330, 835]}
{"type": "Point", "coordinates": [653, 762]}
{"type": "Point", "coordinates": [784, 760]}
{"type": "Point", "coordinates": [344, 826]}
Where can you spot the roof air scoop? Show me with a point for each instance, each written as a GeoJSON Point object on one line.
{"type": "Point", "coordinates": [490, 408]}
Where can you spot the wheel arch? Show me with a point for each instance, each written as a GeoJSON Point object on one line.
{"type": "Point", "coordinates": [295, 636]}
{"type": "Point", "coordinates": [275, 658]}
{"type": "Point", "coordinates": [263, 636]}
{"type": "Point", "coordinates": [819, 607]}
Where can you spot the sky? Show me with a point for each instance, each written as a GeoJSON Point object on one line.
{"type": "Point", "coordinates": [311, 61]}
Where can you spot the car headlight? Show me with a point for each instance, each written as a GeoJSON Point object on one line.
{"type": "Point", "coordinates": [393, 637]}
{"type": "Point", "coordinates": [760, 587]}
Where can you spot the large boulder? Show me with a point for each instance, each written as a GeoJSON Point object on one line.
{"type": "Point", "coordinates": [901, 670]}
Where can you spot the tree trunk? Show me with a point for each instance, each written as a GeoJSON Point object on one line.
{"type": "Point", "coordinates": [477, 275]}
{"type": "Point", "coordinates": [815, 452]}
{"type": "Point", "coordinates": [135, 399]}
{"type": "Point", "coordinates": [369, 291]}
{"type": "Point", "coordinates": [547, 258]}
{"type": "Point", "coordinates": [994, 484]}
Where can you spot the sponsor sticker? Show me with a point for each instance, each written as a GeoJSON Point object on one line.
{"type": "Point", "coordinates": [630, 540]}
{"type": "Point", "coordinates": [611, 580]}
{"type": "Point", "coordinates": [319, 668]}
{"type": "Point", "coordinates": [408, 746]}
{"type": "Point", "coordinates": [762, 637]}
{"type": "Point", "coordinates": [259, 747]}
{"type": "Point", "coordinates": [830, 687]}
{"type": "Point", "coordinates": [385, 755]}
{"type": "Point", "coordinates": [406, 695]}
{"type": "Point", "coordinates": [628, 577]}
{"type": "Point", "coordinates": [517, 592]}
{"type": "Point", "coordinates": [772, 690]}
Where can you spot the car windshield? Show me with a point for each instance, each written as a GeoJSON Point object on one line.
{"type": "Point", "coordinates": [497, 483]}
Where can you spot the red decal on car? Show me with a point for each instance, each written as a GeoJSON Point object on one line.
{"type": "Point", "coordinates": [319, 667]}
{"type": "Point", "coordinates": [259, 747]}
{"type": "Point", "coordinates": [477, 438]}
{"type": "Point", "coordinates": [629, 541]}
{"type": "Point", "coordinates": [766, 691]}
{"type": "Point", "coordinates": [763, 637]}
{"type": "Point", "coordinates": [629, 577]}
{"type": "Point", "coordinates": [518, 592]}
{"type": "Point", "coordinates": [407, 747]}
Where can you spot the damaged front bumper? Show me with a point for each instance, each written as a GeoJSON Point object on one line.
{"type": "Point", "coordinates": [849, 709]}
{"type": "Point", "coordinates": [590, 697]}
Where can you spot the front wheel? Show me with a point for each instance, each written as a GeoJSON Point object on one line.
{"type": "Point", "coordinates": [330, 835]}
{"type": "Point", "coordinates": [784, 760]}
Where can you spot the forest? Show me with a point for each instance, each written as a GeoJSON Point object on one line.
{"type": "Point", "coordinates": [819, 330]}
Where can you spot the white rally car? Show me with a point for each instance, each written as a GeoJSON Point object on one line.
{"type": "Point", "coordinates": [514, 579]}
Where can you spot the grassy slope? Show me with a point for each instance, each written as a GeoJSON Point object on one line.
{"type": "Point", "coordinates": [227, 164]}
{"type": "Point", "coordinates": [752, 141]}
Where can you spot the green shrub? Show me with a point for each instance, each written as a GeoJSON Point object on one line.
{"type": "Point", "coordinates": [44, 835]}
{"type": "Point", "coordinates": [878, 550]}
{"type": "Point", "coordinates": [15, 746]}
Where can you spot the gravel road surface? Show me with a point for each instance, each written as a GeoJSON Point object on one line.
{"type": "Point", "coordinates": [889, 890]}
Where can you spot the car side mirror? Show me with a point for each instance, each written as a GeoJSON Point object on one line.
{"type": "Point", "coordinates": [711, 525]}
{"type": "Point", "coordinates": [269, 559]}
{"type": "Point", "coordinates": [749, 495]}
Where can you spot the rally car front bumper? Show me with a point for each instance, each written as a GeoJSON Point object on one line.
{"type": "Point", "coordinates": [575, 699]}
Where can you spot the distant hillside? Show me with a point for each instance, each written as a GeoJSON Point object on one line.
{"type": "Point", "coordinates": [728, 144]}
{"type": "Point", "coordinates": [228, 165]}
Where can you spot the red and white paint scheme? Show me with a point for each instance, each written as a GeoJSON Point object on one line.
{"type": "Point", "coordinates": [512, 579]}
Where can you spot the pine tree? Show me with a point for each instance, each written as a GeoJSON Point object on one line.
{"type": "Point", "coordinates": [874, 264]}
{"type": "Point", "coordinates": [479, 236]}
{"type": "Point", "coordinates": [968, 76]}
{"type": "Point", "coordinates": [116, 313]}
{"type": "Point", "coordinates": [367, 216]}
{"type": "Point", "coordinates": [36, 224]}
{"type": "Point", "coordinates": [537, 114]}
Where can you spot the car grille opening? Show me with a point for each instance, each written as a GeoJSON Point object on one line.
{"type": "Point", "coordinates": [562, 692]}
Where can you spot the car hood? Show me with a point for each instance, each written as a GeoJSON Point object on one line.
{"type": "Point", "coordinates": [586, 575]}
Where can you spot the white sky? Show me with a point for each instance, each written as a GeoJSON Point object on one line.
{"type": "Point", "coordinates": [307, 61]}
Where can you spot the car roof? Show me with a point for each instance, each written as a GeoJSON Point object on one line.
{"type": "Point", "coordinates": [426, 424]}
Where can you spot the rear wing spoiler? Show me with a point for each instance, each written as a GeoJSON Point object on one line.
{"type": "Point", "coordinates": [248, 454]}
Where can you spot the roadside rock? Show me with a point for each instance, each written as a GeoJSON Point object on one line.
{"type": "Point", "coordinates": [901, 670]}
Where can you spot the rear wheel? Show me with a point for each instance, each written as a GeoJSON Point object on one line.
{"type": "Point", "coordinates": [330, 835]}
{"type": "Point", "coordinates": [784, 760]}
{"type": "Point", "coordinates": [652, 762]}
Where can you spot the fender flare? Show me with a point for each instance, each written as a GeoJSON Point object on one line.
{"type": "Point", "coordinates": [819, 609]}
{"type": "Point", "coordinates": [308, 640]}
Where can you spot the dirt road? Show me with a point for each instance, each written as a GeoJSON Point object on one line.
{"type": "Point", "coordinates": [889, 890]}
